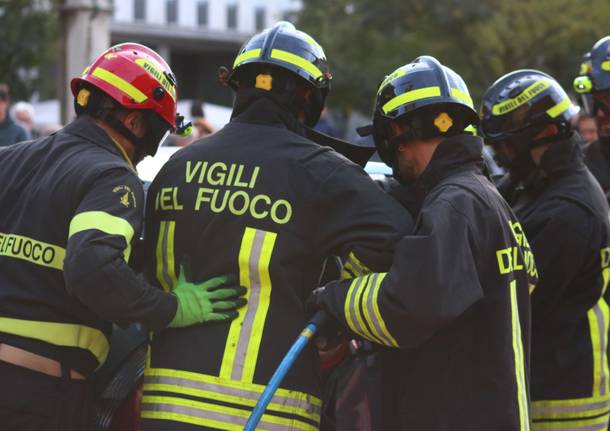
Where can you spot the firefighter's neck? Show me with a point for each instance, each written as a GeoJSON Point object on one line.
{"type": "Point", "coordinates": [132, 121]}
{"type": "Point", "coordinates": [538, 152]}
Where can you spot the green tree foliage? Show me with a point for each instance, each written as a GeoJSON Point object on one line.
{"type": "Point", "coordinates": [480, 39]}
{"type": "Point", "coordinates": [28, 31]}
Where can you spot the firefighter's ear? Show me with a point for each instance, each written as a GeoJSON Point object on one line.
{"type": "Point", "coordinates": [135, 121]}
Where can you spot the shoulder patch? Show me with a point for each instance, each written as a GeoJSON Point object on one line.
{"type": "Point", "coordinates": [126, 196]}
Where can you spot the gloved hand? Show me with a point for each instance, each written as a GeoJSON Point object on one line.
{"type": "Point", "coordinates": [330, 335]}
{"type": "Point", "coordinates": [214, 300]}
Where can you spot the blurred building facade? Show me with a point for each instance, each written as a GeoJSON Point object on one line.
{"type": "Point", "coordinates": [197, 36]}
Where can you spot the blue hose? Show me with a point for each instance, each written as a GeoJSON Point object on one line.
{"type": "Point", "coordinates": [287, 363]}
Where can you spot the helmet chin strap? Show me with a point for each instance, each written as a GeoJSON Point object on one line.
{"type": "Point", "coordinates": [145, 145]}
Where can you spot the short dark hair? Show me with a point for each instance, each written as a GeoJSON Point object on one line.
{"type": "Point", "coordinates": [5, 92]}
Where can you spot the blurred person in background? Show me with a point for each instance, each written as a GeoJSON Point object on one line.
{"type": "Point", "coordinates": [23, 113]}
{"type": "Point", "coordinates": [593, 87]}
{"type": "Point", "coordinates": [201, 126]}
{"type": "Point", "coordinates": [10, 132]}
{"type": "Point", "coordinates": [587, 127]}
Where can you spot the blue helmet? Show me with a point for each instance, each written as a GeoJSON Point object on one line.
{"type": "Point", "coordinates": [594, 76]}
{"type": "Point", "coordinates": [282, 50]}
{"type": "Point", "coordinates": [522, 101]}
{"type": "Point", "coordinates": [430, 97]}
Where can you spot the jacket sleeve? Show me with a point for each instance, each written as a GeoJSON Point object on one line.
{"type": "Point", "coordinates": [432, 281]}
{"type": "Point", "coordinates": [358, 221]}
{"type": "Point", "coordinates": [103, 229]}
{"type": "Point", "coordinates": [561, 246]}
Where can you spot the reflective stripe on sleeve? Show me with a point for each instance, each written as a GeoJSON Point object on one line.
{"type": "Point", "coordinates": [353, 314]}
{"type": "Point", "coordinates": [32, 250]}
{"type": "Point", "coordinates": [353, 268]}
{"type": "Point", "coordinates": [376, 317]}
{"type": "Point", "coordinates": [104, 222]}
{"type": "Point", "coordinates": [59, 334]}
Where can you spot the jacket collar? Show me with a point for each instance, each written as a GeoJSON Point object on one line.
{"type": "Point", "coordinates": [86, 128]}
{"type": "Point", "coordinates": [258, 107]}
{"type": "Point", "coordinates": [455, 154]}
{"type": "Point", "coordinates": [561, 156]}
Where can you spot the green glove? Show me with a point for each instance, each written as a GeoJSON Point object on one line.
{"type": "Point", "coordinates": [214, 300]}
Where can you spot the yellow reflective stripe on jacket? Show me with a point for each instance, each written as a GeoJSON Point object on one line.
{"type": "Point", "coordinates": [571, 409]}
{"type": "Point", "coordinates": [295, 60]}
{"type": "Point", "coordinates": [599, 423]}
{"type": "Point", "coordinates": [246, 332]}
{"type": "Point", "coordinates": [524, 419]}
{"type": "Point", "coordinates": [598, 318]}
{"type": "Point", "coordinates": [120, 84]}
{"type": "Point", "coordinates": [213, 415]}
{"type": "Point", "coordinates": [230, 391]}
{"type": "Point", "coordinates": [59, 334]}
{"type": "Point", "coordinates": [165, 265]}
{"type": "Point", "coordinates": [462, 95]}
{"type": "Point", "coordinates": [34, 251]}
{"type": "Point", "coordinates": [240, 394]}
{"type": "Point", "coordinates": [410, 96]}
{"type": "Point", "coordinates": [353, 315]}
{"type": "Point", "coordinates": [560, 108]}
{"type": "Point", "coordinates": [247, 55]}
{"type": "Point", "coordinates": [378, 319]}
{"type": "Point", "coordinates": [353, 268]}
{"type": "Point", "coordinates": [526, 95]}
{"type": "Point", "coordinates": [104, 222]}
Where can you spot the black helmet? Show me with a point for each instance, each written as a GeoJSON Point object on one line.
{"type": "Point", "coordinates": [594, 77]}
{"type": "Point", "coordinates": [521, 104]}
{"type": "Point", "coordinates": [285, 48]}
{"type": "Point", "coordinates": [430, 97]}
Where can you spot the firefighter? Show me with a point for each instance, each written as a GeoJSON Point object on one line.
{"type": "Point", "coordinates": [527, 117]}
{"type": "Point", "coordinates": [593, 87]}
{"type": "Point", "coordinates": [453, 309]}
{"type": "Point", "coordinates": [72, 208]}
{"type": "Point", "coordinates": [259, 199]}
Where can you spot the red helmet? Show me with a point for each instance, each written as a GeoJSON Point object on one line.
{"type": "Point", "coordinates": [136, 77]}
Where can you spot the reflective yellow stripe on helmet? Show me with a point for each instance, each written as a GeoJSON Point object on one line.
{"type": "Point", "coordinates": [247, 55]}
{"type": "Point", "coordinates": [583, 84]}
{"type": "Point", "coordinates": [560, 108]}
{"type": "Point", "coordinates": [462, 95]}
{"type": "Point", "coordinates": [291, 58]}
{"type": "Point", "coordinates": [59, 334]}
{"type": "Point", "coordinates": [529, 93]}
{"type": "Point", "coordinates": [107, 223]}
{"type": "Point", "coordinates": [410, 96]}
{"type": "Point", "coordinates": [119, 83]}
{"type": "Point", "coordinates": [606, 65]}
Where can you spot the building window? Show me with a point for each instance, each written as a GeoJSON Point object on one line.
{"type": "Point", "coordinates": [172, 11]}
{"type": "Point", "coordinates": [260, 18]}
{"type": "Point", "coordinates": [139, 10]}
{"type": "Point", "coordinates": [202, 13]}
{"type": "Point", "coordinates": [232, 16]}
